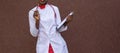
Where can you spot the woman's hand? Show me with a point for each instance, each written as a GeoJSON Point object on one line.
{"type": "Point", "coordinates": [36, 15]}
{"type": "Point", "coordinates": [69, 19]}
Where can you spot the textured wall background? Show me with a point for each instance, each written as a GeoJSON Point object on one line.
{"type": "Point", "coordinates": [94, 29]}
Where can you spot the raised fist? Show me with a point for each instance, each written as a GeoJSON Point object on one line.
{"type": "Point", "coordinates": [36, 15]}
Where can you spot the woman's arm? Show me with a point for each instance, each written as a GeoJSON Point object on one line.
{"type": "Point", "coordinates": [32, 24]}
{"type": "Point", "coordinates": [58, 20]}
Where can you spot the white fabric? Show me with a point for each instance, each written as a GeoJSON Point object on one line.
{"type": "Point", "coordinates": [47, 33]}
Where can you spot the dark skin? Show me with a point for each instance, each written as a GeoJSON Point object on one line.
{"type": "Point", "coordinates": [42, 2]}
{"type": "Point", "coordinates": [69, 19]}
{"type": "Point", "coordinates": [36, 14]}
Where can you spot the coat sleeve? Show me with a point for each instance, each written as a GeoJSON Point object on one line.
{"type": "Point", "coordinates": [33, 29]}
{"type": "Point", "coordinates": [58, 20]}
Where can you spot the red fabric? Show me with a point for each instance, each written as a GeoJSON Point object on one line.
{"type": "Point", "coordinates": [50, 49]}
{"type": "Point", "coordinates": [42, 6]}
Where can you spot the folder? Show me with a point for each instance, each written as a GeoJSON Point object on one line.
{"type": "Point", "coordinates": [61, 24]}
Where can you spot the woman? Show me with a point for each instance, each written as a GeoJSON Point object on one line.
{"type": "Point", "coordinates": [43, 20]}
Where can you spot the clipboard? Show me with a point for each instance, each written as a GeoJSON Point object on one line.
{"type": "Point", "coordinates": [61, 24]}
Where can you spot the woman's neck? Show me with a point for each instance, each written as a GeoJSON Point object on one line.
{"type": "Point", "coordinates": [42, 6]}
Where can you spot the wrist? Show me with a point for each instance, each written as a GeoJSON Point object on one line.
{"type": "Point", "coordinates": [65, 24]}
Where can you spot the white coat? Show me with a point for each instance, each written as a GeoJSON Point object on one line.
{"type": "Point", "coordinates": [47, 33]}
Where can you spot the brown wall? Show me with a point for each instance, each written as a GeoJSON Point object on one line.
{"type": "Point", "coordinates": [95, 28]}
